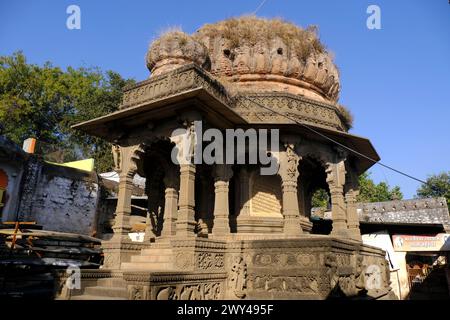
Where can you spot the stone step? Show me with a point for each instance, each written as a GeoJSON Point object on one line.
{"type": "Point", "coordinates": [111, 282]}
{"type": "Point", "coordinates": [91, 297]}
{"type": "Point", "coordinates": [156, 251]}
{"type": "Point", "coordinates": [152, 258]}
{"type": "Point", "coordinates": [153, 266]}
{"type": "Point", "coordinates": [110, 292]}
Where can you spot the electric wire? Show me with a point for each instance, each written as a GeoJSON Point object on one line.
{"type": "Point", "coordinates": [339, 144]}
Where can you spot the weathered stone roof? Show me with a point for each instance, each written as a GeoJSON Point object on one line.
{"type": "Point", "coordinates": [164, 92]}
{"type": "Point", "coordinates": [255, 55]}
{"type": "Point", "coordinates": [431, 211]}
{"type": "Point", "coordinates": [175, 49]}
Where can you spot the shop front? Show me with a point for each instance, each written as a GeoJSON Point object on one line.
{"type": "Point", "coordinates": [427, 264]}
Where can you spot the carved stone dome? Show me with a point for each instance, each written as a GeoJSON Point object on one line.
{"type": "Point", "coordinates": [260, 55]}
{"type": "Point", "coordinates": [175, 49]}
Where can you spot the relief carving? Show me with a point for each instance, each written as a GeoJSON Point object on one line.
{"type": "Point", "coordinates": [184, 260]}
{"type": "Point", "coordinates": [136, 293]}
{"type": "Point", "coordinates": [202, 291]}
{"type": "Point", "coordinates": [238, 277]}
{"type": "Point", "coordinates": [206, 260]}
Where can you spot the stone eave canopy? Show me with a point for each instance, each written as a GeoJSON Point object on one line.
{"type": "Point", "coordinates": [357, 143]}
{"type": "Point", "coordinates": [215, 112]}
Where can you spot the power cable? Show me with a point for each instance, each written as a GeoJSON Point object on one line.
{"type": "Point", "coordinates": [259, 7]}
{"type": "Point", "coordinates": [338, 143]}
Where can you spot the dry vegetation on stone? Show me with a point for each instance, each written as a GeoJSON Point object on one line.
{"type": "Point", "coordinates": [346, 115]}
{"type": "Point", "coordinates": [171, 42]}
{"type": "Point", "coordinates": [250, 30]}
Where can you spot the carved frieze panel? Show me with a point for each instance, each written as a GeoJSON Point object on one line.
{"type": "Point", "coordinates": [287, 260]}
{"type": "Point", "coordinates": [171, 83]}
{"type": "Point", "coordinates": [292, 106]}
{"type": "Point", "coordinates": [210, 261]}
{"type": "Point", "coordinates": [198, 291]}
{"type": "Point", "coordinates": [307, 284]}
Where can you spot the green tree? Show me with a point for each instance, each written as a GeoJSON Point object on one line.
{"type": "Point", "coordinates": [44, 101]}
{"type": "Point", "coordinates": [437, 185]}
{"type": "Point", "coordinates": [320, 199]}
{"type": "Point", "coordinates": [369, 191]}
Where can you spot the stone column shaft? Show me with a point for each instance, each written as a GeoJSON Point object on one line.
{"type": "Point", "coordinates": [121, 225]}
{"type": "Point", "coordinates": [222, 175]}
{"type": "Point", "coordinates": [352, 215]}
{"type": "Point", "coordinates": [186, 202]}
{"type": "Point", "coordinates": [291, 211]}
{"type": "Point", "coordinates": [338, 212]}
{"type": "Point", "coordinates": [221, 208]}
{"type": "Point", "coordinates": [170, 212]}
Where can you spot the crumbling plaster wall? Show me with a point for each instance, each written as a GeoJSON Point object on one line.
{"type": "Point", "coordinates": [64, 199]}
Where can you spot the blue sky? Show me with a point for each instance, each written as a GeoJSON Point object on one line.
{"type": "Point", "coordinates": [396, 81]}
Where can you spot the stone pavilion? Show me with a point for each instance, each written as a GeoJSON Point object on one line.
{"type": "Point", "coordinates": [223, 231]}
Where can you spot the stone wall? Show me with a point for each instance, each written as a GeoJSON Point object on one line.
{"type": "Point", "coordinates": [60, 198]}
{"type": "Point", "coordinates": [432, 211]}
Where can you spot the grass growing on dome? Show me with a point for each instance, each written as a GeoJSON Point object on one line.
{"type": "Point", "coordinates": [171, 42]}
{"type": "Point", "coordinates": [250, 30]}
{"type": "Point", "coordinates": [346, 115]}
{"type": "Point", "coordinates": [172, 33]}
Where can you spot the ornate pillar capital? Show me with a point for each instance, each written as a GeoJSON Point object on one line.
{"type": "Point", "coordinates": [289, 163]}
{"type": "Point", "coordinates": [126, 159]}
{"type": "Point", "coordinates": [336, 175]}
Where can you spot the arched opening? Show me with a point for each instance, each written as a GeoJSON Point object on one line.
{"type": "Point", "coordinates": [156, 167]}
{"type": "Point", "coordinates": [313, 190]}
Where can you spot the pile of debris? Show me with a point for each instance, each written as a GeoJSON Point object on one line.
{"type": "Point", "coordinates": [29, 258]}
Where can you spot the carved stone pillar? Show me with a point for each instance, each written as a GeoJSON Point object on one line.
{"type": "Point", "coordinates": [336, 181]}
{"type": "Point", "coordinates": [120, 247]}
{"type": "Point", "coordinates": [352, 213]}
{"type": "Point", "coordinates": [222, 176]}
{"type": "Point", "coordinates": [126, 167]}
{"type": "Point", "coordinates": [170, 207]}
{"type": "Point", "coordinates": [289, 175]}
{"type": "Point", "coordinates": [186, 203]}
{"type": "Point", "coordinates": [122, 225]}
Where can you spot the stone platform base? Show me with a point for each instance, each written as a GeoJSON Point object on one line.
{"type": "Point", "coordinates": [251, 267]}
